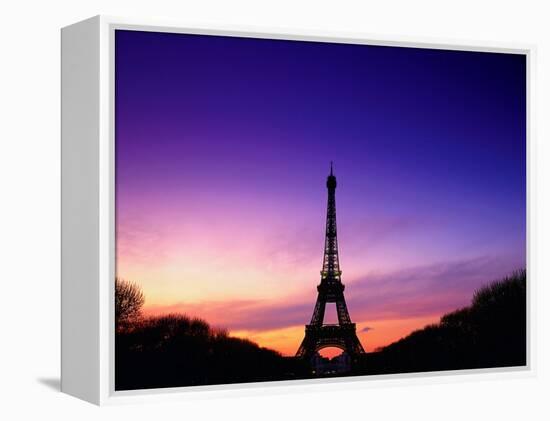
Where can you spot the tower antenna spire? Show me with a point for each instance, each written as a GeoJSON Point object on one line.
{"type": "Point", "coordinates": [330, 167]}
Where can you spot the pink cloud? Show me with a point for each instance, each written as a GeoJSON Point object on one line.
{"type": "Point", "coordinates": [410, 293]}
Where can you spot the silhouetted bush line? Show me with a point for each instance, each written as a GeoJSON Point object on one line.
{"type": "Point", "coordinates": [491, 332]}
{"type": "Point", "coordinates": [177, 350]}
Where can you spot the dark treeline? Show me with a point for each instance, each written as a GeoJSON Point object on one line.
{"type": "Point", "coordinates": [177, 350]}
{"type": "Point", "coordinates": [491, 332]}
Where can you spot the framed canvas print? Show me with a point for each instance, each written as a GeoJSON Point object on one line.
{"type": "Point", "coordinates": [244, 209]}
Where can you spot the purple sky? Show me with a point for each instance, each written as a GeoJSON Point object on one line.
{"type": "Point", "coordinates": [223, 146]}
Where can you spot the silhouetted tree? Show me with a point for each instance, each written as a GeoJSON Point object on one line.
{"type": "Point", "coordinates": [128, 302]}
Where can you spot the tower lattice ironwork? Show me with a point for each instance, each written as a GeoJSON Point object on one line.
{"type": "Point", "coordinates": [330, 290]}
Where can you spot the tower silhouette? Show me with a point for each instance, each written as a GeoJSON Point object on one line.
{"type": "Point", "coordinates": [330, 290]}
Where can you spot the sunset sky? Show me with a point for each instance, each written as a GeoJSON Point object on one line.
{"type": "Point", "coordinates": [223, 146]}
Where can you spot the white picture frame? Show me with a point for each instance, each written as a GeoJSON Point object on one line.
{"type": "Point", "coordinates": [88, 235]}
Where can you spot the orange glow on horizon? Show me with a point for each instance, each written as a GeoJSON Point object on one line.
{"type": "Point", "coordinates": [380, 333]}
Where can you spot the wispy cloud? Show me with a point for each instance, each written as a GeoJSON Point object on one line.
{"type": "Point", "coordinates": [424, 290]}
{"type": "Point", "coordinates": [413, 292]}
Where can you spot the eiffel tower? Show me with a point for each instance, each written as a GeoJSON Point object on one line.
{"type": "Point", "coordinates": [330, 290]}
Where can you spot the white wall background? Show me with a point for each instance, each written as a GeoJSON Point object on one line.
{"type": "Point", "coordinates": [29, 222]}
